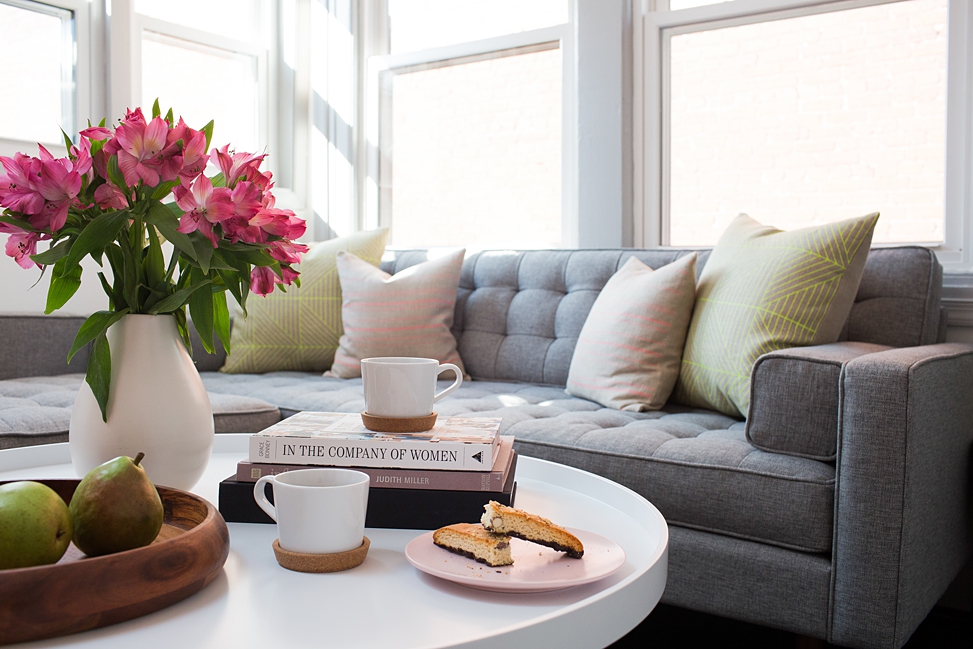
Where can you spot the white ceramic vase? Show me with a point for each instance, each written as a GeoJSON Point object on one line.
{"type": "Point", "coordinates": [157, 405]}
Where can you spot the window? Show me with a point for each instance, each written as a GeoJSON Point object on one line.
{"type": "Point", "coordinates": [37, 47]}
{"type": "Point", "coordinates": [808, 115]}
{"type": "Point", "coordinates": [468, 124]}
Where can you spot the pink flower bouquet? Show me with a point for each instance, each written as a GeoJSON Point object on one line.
{"type": "Point", "coordinates": [106, 199]}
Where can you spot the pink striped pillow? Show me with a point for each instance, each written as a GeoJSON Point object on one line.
{"type": "Point", "coordinates": [630, 347]}
{"type": "Point", "coordinates": [406, 314]}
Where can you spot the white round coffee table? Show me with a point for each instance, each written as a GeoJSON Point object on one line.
{"type": "Point", "coordinates": [386, 602]}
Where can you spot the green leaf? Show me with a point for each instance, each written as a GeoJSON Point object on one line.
{"type": "Point", "coordinates": [256, 257]}
{"type": "Point", "coordinates": [67, 140]}
{"type": "Point", "coordinates": [167, 223]}
{"type": "Point", "coordinates": [53, 254]}
{"type": "Point", "coordinates": [204, 251]}
{"type": "Point", "coordinates": [201, 312]}
{"type": "Point", "coordinates": [221, 319]}
{"type": "Point", "coordinates": [129, 281]}
{"type": "Point", "coordinates": [232, 282]}
{"type": "Point", "coordinates": [177, 299]}
{"type": "Point", "coordinates": [115, 174]}
{"type": "Point", "coordinates": [96, 324]}
{"type": "Point", "coordinates": [109, 291]}
{"type": "Point", "coordinates": [169, 117]}
{"type": "Point", "coordinates": [183, 327]}
{"type": "Point", "coordinates": [154, 263]}
{"type": "Point", "coordinates": [65, 282]}
{"type": "Point", "coordinates": [163, 189]}
{"type": "Point", "coordinates": [99, 233]}
{"type": "Point", "coordinates": [156, 111]}
{"type": "Point", "coordinates": [219, 180]}
{"type": "Point", "coordinates": [208, 131]}
{"type": "Point", "coordinates": [98, 375]}
{"type": "Point", "coordinates": [12, 220]}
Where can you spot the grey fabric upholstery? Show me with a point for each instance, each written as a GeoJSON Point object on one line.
{"type": "Point", "coordinates": [37, 410]}
{"type": "Point", "coordinates": [902, 520]}
{"type": "Point", "coordinates": [749, 581]}
{"type": "Point", "coordinates": [35, 346]}
{"type": "Point", "coordinates": [794, 398]}
{"type": "Point", "coordinates": [898, 298]}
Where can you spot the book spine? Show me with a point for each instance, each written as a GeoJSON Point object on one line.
{"type": "Point", "coordinates": [392, 478]}
{"type": "Point", "coordinates": [400, 454]}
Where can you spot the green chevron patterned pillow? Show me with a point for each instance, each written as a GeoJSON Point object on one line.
{"type": "Point", "coordinates": [761, 290]}
{"type": "Point", "coordinates": [299, 330]}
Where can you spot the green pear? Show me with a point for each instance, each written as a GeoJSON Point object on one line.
{"type": "Point", "coordinates": [115, 508]}
{"type": "Point", "coordinates": [35, 527]}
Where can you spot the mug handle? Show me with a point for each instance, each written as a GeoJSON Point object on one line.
{"type": "Point", "coordinates": [260, 495]}
{"type": "Point", "coordinates": [458, 382]}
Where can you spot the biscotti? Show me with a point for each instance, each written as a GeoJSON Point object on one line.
{"type": "Point", "coordinates": [473, 541]}
{"type": "Point", "coordinates": [530, 527]}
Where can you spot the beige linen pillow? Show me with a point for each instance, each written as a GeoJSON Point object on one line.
{"type": "Point", "coordinates": [406, 314]}
{"type": "Point", "coordinates": [299, 330]}
{"type": "Point", "coordinates": [762, 290]}
{"type": "Point", "coordinates": [630, 347]}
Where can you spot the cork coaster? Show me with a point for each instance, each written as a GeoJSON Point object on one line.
{"type": "Point", "coordinates": [335, 562]}
{"type": "Point", "coordinates": [398, 424]}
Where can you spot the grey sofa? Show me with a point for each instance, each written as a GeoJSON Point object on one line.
{"type": "Point", "coordinates": [838, 510]}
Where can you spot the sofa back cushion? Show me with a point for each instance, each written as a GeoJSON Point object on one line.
{"type": "Point", "coordinates": [518, 313]}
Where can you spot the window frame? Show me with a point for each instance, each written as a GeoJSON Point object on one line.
{"type": "Point", "coordinates": [658, 23]}
{"type": "Point", "coordinates": [383, 68]}
{"type": "Point", "coordinates": [82, 66]}
{"type": "Point", "coordinates": [374, 187]}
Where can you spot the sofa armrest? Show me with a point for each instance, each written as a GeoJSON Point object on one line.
{"type": "Point", "coordinates": [902, 509]}
{"type": "Point", "coordinates": [794, 396]}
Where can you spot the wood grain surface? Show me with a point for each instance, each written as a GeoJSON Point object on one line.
{"type": "Point", "coordinates": [80, 593]}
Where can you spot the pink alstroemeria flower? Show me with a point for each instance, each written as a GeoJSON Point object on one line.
{"type": "Point", "coordinates": [59, 182]}
{"type": "Point", "coordinates": [17, 190]}
{"type": "Point", "coordinates": [140, 149]}
{"type": "Point", "coordinates": [194, 156]}
{"type": "Point", "coordinates": [280, 223]}
{"type": "Point", "coordinates": [263, 279]}
{"type": "Point", "coordinates": [97, 133]}
{"type": "Point", "coordinates": [110, 197]}
{"type": "Point", "coordinates": [203, 206]}
{"type": "Point", "coordinates": [239, 165]}
{"type": "Point", "coordinates": [21, 245]}
{"type": "Point", "coordinates": [287, 251]}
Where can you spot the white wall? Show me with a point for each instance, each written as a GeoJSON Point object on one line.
{"type": "Point", "coordinates": [17, 296]}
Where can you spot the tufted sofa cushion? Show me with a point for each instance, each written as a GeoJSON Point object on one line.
{"type": "Point", "coordinates": [694, 465]}
{"type": "Point", "coordinates": [519, 313]}
{"type": "Point", "coordinates": [37, 410]}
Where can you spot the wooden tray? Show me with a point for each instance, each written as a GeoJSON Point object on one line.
{"type": "Point", "coordinates": [80, 593]}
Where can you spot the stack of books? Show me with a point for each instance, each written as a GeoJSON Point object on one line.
{"type": "Point", "coordinates": [418, 480]}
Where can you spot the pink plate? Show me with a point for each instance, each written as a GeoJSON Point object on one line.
{"type": "Point", "coordinates": [535, 569]}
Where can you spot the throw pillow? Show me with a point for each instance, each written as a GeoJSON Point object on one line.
{"type": "Point", "coordinates": [299, 330]}
{"type": "Point", "coordinates": [762, 290]}
{"type": "Point", "coordinates": [406, 314]}
{"type": "Point", "coordinates": [630, 346]}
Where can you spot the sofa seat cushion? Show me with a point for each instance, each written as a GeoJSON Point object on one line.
{"type": "Point", "coordinates": [37, 410]}
{"type": "Point", "coordinates": [696, 466]}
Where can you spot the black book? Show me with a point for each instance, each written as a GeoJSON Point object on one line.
{"type": "Point", "coordinates": [411, 509]}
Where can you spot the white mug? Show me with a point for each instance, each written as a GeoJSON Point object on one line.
{"type": "Point", "coordinates": [318, 511]}
{"type": "Point", "coordinates": [399, 386]}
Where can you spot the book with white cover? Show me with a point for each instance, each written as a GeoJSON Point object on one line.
{"type": "Point", "coordinates": [457, 443]}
